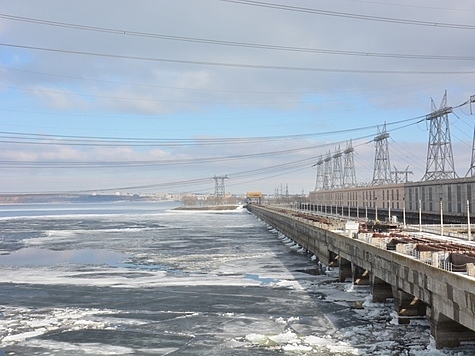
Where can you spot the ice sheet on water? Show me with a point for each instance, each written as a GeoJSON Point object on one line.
{"type": "Point", "coordinates": [186, 283]}
{"type": "Point", "coordinates": [43, 257]}
{"type": "Point", "coordinates": [289, 341]}
{"type": "Point", "coordinates": [20, 324]}
{"type": "Point", "coordinates": [50, 347]}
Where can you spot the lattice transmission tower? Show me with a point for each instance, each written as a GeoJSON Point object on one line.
{"type": "Point", "coordinates": [320, 174]}
{"type": "Point", "coordinates": [337, 173]}
{"type": "Point", "coordinates": [349, 173]}
{"type": "Point", "coordinates": [219, 189]}
{"type": "Point", "coordinates": [327, 171]}
{"type": "Point", "coordinates": [404, 174]}
{"type": "Point", "coordinates": [440, 160]}
{"type": "Point", "coordinates": [382, 164]}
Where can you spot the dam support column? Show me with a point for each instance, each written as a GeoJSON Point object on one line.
{"type": "Point", "coordinates": [360, 276]}
{"type": "Point", "coordinates": [407, 305]}
{"type": "Point", "coordinates": [333, 259]}
{"type": "Point", "coordinates": [381, 290]}
{"type": "Point", "coordinates": [447, 332]}
{"type": "Point", "coordinates": [345, 270]}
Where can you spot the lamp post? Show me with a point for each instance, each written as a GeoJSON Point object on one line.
{"type": "Point", "coordinates": [357, 209]}
{"type": "Point", "coordinates": [366, 209]}
{"type": "Point", "coordinates": [441, 217]}
{"type": "Point", "coordinates": [404, 211]}
{"type": "Point", "coordinates": [469, 228]}
{"type": "Point", "coordinates": [389, 210]}
{"type": "Point", "coordinates": [376, 208]}
{"type": "Point", "coordinates": [420, 216]}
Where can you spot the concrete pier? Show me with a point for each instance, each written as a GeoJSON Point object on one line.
{"type": "Point", "coordinates": [418, 289]}
{"type": "Point", "coordinates": [380, 290]}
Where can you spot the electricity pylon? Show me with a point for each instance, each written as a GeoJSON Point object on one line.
{"type": "Point", "coordinates": [382, 165]}
{"type": "Point", "coordinates": [337, 173]}
{"type": "Point", "coordinates": [320, 174]}
{"type": "Point", "coordinates": [440, 160]}
{"type": "Point", "coordinates": [327, 173]}
{"type": "Point", "coordinates": [349, 174]}
{"type": "Point", "coordinates": [219, 189]}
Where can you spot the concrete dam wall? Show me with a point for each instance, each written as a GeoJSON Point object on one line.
{"type": "Point", "coordinates": [418, 288]}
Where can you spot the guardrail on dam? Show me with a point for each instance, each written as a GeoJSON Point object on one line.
{"type": "Point", "coordinates": [418, 288]}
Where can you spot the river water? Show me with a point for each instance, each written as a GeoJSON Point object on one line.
{"type": "Point", "coordinates": [143, 279]}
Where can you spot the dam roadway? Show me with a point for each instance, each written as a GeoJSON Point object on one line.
{"type": "Point", "coordinates": [419, 287]}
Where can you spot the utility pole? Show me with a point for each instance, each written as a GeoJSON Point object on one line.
{"type": "Point", "coordinates": [471, 170]}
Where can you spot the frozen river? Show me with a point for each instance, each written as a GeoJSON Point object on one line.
{"type": "Point", "coordinates": [142, 279]}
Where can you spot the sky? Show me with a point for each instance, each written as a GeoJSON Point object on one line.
{"type": "Point", "coordinates": [162, 96]}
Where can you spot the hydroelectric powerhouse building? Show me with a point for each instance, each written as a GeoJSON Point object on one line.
{"type": "Point", "coordinates": [454, 197]}
{"type": "Point", "coordinates": [390, 195]}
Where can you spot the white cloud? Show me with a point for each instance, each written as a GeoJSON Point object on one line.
{"type": "Point", "coordinates": [172, 93]}
{"type": "Point", "coordinates": [57, 98]}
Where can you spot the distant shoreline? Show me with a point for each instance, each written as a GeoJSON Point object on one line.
{"type": "Point", "coordinates": [72, 198]}
{"type": "Point", "coordinates": [209, 207]}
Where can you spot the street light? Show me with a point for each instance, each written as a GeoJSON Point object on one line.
{"type": "Point", "coordinates": [366, 209]}
{"type": "Point", "coordinates": [420, 216]}
{"type": "Point", "coordinates": [469, 228]}
{"type": "Point", "coordinates": [376, 208]}
{"type": "Point", "coordinates": [441, 217]}
{"type": "Point", "coordinates": [389, 209]}
{"type": "Point", "coordinates": [404, 211]}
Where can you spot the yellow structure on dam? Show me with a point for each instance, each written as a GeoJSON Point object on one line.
{"type": "Point", "coordinates": [254, 197]}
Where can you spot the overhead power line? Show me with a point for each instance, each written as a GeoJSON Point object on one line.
{"type": "Point", "coordinates": [173, 184]}
{"type": "Point", "coordinates": [352, 15]}
{"type": "Point", "coordinates": [151, 163]}
{"type": "Point", "coordinates": [414, 6]}
{"type": "Point", "coordinates": [168, 162]}
{"type": "Point", "coordinates": [250, 176]}
{"type": "Point", "coordinates": [239, 65]}
{"type": "Point", "coordinates": [123, 32]}
{"type": "Point", "coordinates": [200, 89]}
{"type": "Point", "coordinates": [71, 140]}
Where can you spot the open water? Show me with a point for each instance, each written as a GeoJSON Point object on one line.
{"type": "Point", "coordinates": [142, 279]}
